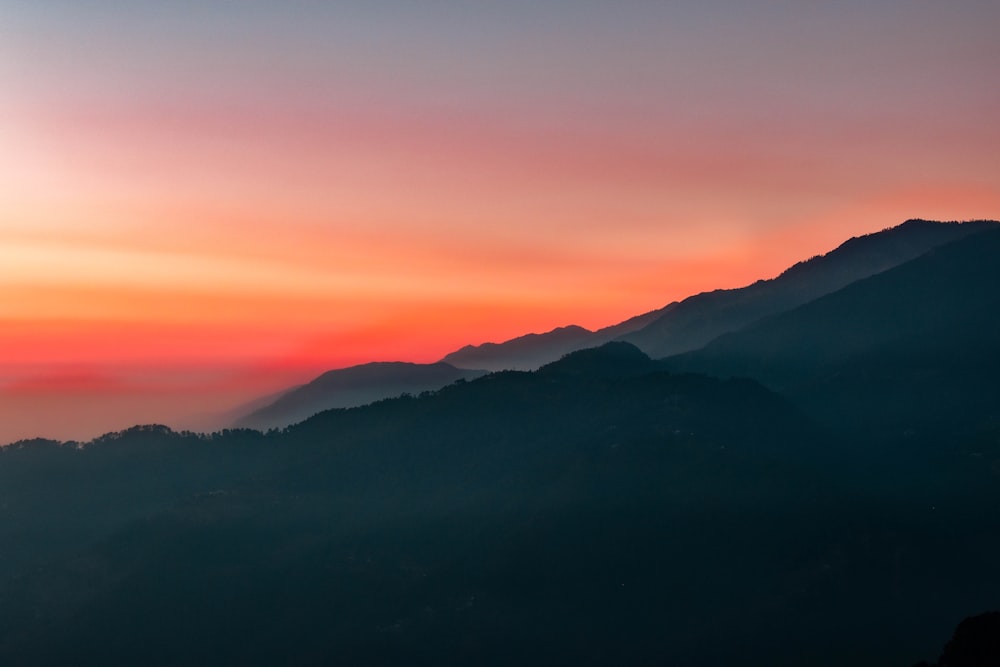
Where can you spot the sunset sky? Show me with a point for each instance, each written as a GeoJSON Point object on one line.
{"type": "Point", "coordinates": [204, 202]}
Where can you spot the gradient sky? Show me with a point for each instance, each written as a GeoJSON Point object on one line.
{"type": "Point", "coordinates": [203, 202]}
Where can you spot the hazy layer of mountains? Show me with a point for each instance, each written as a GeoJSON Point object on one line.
{"type": "Point", "coordinates": [899, 352]}
{"type": "Point", "coordinates": [351, 387]}
{"type": "Point", "coordinates": [528, 352]}
{"type": "Point", "coordinates": [819, 486]}
{"type": "Point", "coordinates": [693, 322]}
{"type": "Point", "coordinates": [678, 327]}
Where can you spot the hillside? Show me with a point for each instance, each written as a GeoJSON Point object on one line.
{"type": "Point", "coordinates": [697, 320]}
{"type": "Point", "coordinates": [597, 511]}
{"type": "Point", "coordinates": [421, 527]}
{"type": "Point", "coordinates": [351, 387]}
{"type": "Point", "coordinates": [531, 351]}
{"type": "Point", "coordinates": [693, 322]}
{"type": "Point", "coordinates": [911, 351]}
{"type": "Point", "coordinates": [523, 353]}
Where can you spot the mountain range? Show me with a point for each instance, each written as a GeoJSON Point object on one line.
{"type": "Point", "coordinates": [693, 322]}
{"type": "Point", "coordinates": [898, 352]}
{"type": "Point", "coordinates": [531, 351]}
{"type": "Point", "coordinates": [351, 387]}
{"type": "Point", "coordinates": [677, 327]}
{"type": "Point", "coordinates": [815, 485]}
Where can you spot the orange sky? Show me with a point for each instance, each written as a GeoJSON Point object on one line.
{"type": "Point", "coordinates": [199, 206]}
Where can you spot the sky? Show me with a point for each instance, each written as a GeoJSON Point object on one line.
{"type": "Point", "coordinates": [204, 202]}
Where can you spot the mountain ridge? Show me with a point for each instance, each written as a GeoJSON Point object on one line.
{"type": "Point", "coordinates": [698, 319]}
{"type": "Point", "coordinates": [694, 321]}
{"type": "Point", "coordinates": [351, 387]}
{"type": "Point", "coordinates": [532, 350]}
{"type": "Point", "coordinates": [901, 350]}
{"type": "Point", "coordinates": [677, 327]}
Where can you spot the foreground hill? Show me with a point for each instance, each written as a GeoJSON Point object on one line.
{"type": "Point", "coordinates": [909, 352]}
{"type": "Point", "coordinates": [351, 387]}
{"type": "Point", "coordinates": [699, 319]}
{"type": "Point", "coordinates": [599, 511]}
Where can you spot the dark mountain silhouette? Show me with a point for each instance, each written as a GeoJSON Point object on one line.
{"type": "Point", "coordinates": [693, 322]}
{"type": "Point", "coordinates": [976, 643]}
{"type": "Point", "coordinates": [514, 518]}
{"type": "Point", "coordinates": [611, 360]}
{"type": "Point", "coordinates": [529, 352]}
{"type": "Point", "coordinates": [599, 511]}
{"type": "Point", "coordinates": [524, 352]}
{"type": "Point", "coordinates": [697, 320]}
{"type": "Point", "coordinates": [911, 351]}
{"type": "Point", "coordinates": [677, 327]}
{"type": "Point", "coordinates": [351, 387]}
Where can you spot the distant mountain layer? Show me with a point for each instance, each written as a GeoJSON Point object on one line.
{"type": "Point", "coordinates": [531, 351]}
{"type": "Point", "coordinates": [523, 353]}
{"type": "Point", "coordinates": [354, 386]}
{"type": "Point", "coordinates": [697, 320]}
{"type": "Point", "coordinates": [693, 322]}
{"type": "Point", "coordinates": [911, 350]}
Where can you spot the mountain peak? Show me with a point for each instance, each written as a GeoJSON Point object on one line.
{"type": "Point", "coordinates": [614, 359]}
{"type": "Point", "coordinates": [699, 319]}
{"type": "Point", "coordinates": [524, 352]}
{"type": "Point", "coordinates": [353, 386]}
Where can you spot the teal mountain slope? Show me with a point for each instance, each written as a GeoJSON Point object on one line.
{"type": "Point", "coordinates": [912, 350]}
